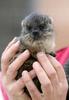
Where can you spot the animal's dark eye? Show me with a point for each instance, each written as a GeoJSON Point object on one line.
{"type": "Point", "coordinates": [29, 27]}
{"type": "Point", "coordinates": [41, 27]}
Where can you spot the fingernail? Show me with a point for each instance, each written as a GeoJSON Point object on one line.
{"type": "Point", "coordinates": [40, 54]}
{"type": "Point", "coordinates": [24, 72]}
{"type": "Point", "coordinates": [26, 51]}
{"type": "Point", "coordinates": [15, 38]}
{"type": "Point", "coordinates": [26, 76]}
{"type": "Point", "coordinates": [17, 43]}
{"type": "Point", "coordinates": [35, 64]}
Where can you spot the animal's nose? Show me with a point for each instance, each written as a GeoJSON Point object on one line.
{"type": "Point", "coordinates": [35, 33]}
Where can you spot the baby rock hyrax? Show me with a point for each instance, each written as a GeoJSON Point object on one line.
{"type": "Point", "coordinates": [37, 35]}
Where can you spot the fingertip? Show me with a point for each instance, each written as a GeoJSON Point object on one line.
{"type": "Point", "coordinates": [35, 64]}
{"type": "Point", "coordinates": [24, 73]}
{"type": "Point", "coordinates": [50, 56]}
{"type": "Point", "coordinates": [14, 38]}
{"type": "Point", "coordinates": [27, 52]}
{"type": "Point", "coordinates": [40, 54]}
{"type": "Point", "coordinates": [17, 43]}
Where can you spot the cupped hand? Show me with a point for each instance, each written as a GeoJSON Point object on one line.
{"type": "Point", "coordinates": [48, 70]}
{"type": "Point", "coordinates": [51, 76]}
{"type": "Point", "coordinates": [13, 88]}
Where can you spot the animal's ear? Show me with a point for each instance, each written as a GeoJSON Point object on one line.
{"type": "Point", "coordinates": [22, 23]}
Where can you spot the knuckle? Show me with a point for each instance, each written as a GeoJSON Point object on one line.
{"type": "Point", "coordinates": [46, 84]}
{"type": "Point", "coordinates": [10, 89]}
{"type": "Point", "coordinates": [10, 70]}
{"type": "Point", "coordinates": [60, 94]}
{"type": "Point", "coordinates": [4, 80]}
{"type": "Point", "coordinates": [52, 74]}
{"type": "Point", "coordinates": [32, 89]}
{"type": "Point", "coordinates": [48, 87]}
{"type": "Point", "coordinates": [58, 66]}
{"type": "Point", "coordinates": [65, 87]}
{"type": "Point", "coordinates": [5, 83]}
{"type": "Point", "coordinates": [8, 86]}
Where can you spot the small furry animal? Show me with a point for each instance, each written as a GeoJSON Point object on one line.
{"type": "Point", "coordinates": [37, 35]}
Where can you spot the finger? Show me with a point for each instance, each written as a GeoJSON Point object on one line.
{"type": "Point", "coordinates": [17, 63]}
{"type": "Point", "coordinates": [8, 55]}
{"type": "Point", "coordinates": [49, 69]}
{"type": "Point", "coordinates": [19, 84]}
{"type": "Point", "coordinates": [32, 73]}
{"type": "Point", "coordinates": [30, 86]}
{"type": "Point", "coordinates": [12, 50]}
{"type": "Point", "coordinates": [43, 78]}
{"type": "Point", "coordinates": [59, 68]}
{"type": "Point", "coordinates": [11, 43]}
{"type": "Point", "coordinates": [15, 94]}
{"type": "Point", "coordinates": [14, 88]}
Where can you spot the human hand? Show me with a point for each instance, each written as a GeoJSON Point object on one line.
{"type": "Point", "coordinates": [48, 70]}
{"type": "Point", "coordinates": [14, 88]}
{"type": "Point", "coordinates": [51, 76]}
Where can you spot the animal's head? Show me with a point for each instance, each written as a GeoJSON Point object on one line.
{"type": "Point", "coordinates": [37, 33]}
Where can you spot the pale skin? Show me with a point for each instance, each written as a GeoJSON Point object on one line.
{"type": "Point", "coordinates": [48, 70]}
